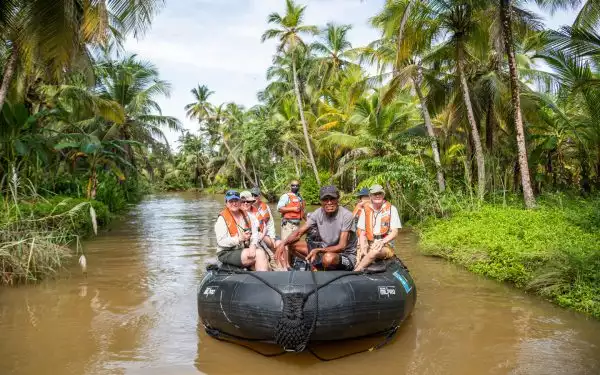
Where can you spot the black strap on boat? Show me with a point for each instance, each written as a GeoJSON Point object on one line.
{"type": "Point", "coordinates": [292, 333]}
{"type": "Point", "coordinates": [388, 337]}
{"type": "Point", "coordinates": [232, 339]}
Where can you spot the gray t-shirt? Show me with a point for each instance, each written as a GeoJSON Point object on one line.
{"type": "Point", "coordinates": [330, 227]}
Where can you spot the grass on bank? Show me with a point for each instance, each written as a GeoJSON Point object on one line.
{"type": "Point", "coordinates": [553, 251]}
{"type": "Point", "coordinates": [36, 235]}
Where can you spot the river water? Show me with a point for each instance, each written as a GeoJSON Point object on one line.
{"type": "Point", "coordinates": [135, 313]}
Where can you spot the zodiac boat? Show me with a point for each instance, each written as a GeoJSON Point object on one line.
{"type": "Point", "coordinates": [295, 308]}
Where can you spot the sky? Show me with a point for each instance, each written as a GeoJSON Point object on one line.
{"type": "Point", "coordinates": [217, 43]}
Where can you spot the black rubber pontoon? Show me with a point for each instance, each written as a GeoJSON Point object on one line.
{"type": "Point", "coordinates": [279, 307]}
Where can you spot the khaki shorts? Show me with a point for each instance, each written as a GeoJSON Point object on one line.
{"type": "Point", "coordinates": [287, 229]}
{"type": "Point", "coordinates": [386, 252]}
{"type": "Point", "coordinates": [273, 265]}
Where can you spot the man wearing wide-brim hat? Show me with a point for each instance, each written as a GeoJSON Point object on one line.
{"type": "Point", "coordinates": [378, 225]}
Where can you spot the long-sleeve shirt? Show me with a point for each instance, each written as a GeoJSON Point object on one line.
{"type": "Point", "coordinates": [271, 225]}
{"type": "Point", "coordinates": [226, 242]}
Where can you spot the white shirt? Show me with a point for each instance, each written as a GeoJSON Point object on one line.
{"type": "Point", "coordinates": [226, 241]}
{"type": "Point", "coordinates": [270, 225]}
{"type": "Point", "coordinates": [394, 220]}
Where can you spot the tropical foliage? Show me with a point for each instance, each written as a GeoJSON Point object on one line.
{"type": "Point", "coordinates": [75, 120]}
{"type": "Point", "coordinates": [465, 97]}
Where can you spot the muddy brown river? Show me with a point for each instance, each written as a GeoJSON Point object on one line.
{"type": "Point", "coordinates": [135, 313]}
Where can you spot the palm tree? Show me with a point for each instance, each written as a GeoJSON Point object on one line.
{"type": "Point", "coordinates": [458, 19]}
{"type": "Point", "coordinates": [55, 34]}
{"type": "Point", "coordinates": [199, 109]}
{"type": "Point", "coordinates": [333, 52]}
{"type": "Point", "coordinates": [290, 41]}
{"type": "Point", "coordinates": [135, 85]}
{"type": "Point", "coordinates": [506, 10]}
{"type": "Point", "coordinates": [391, 51]}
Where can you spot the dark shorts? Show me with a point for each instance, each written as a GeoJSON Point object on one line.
{"type": "Point", "coordinates": [231, 257]}
{"type": "Point", "coordinates": [347, 261]}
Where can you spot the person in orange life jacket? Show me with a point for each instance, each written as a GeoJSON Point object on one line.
{"type": "Point", "coordinates": [378, 224]}
{"type": "Point", "coordinates": [363, 199]}
{"type": "Point", "coordinates": [236, 239]}
{"type": "Point", "coordinates": [292, 208]}
{"type": "Point", "coordinates": [266, 218]}
{"type": "Point", "coordinates": [336, 249]}
{"type": "Point", "coordinates": [257, 220]}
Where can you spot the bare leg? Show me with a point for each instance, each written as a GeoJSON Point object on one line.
{"type": "Point", "coordinates": [262, 260]}
{"type": "Point", "coordinates": [299, 249]}
{"type": "Point", "coordinates": [249, 256]}
{"type": "Point", "coordinates": [366, 260]}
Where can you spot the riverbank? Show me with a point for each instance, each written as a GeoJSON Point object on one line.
{"type": "Point", "coordinates": [552, 251]}
{"type": "Point", "coordinates": [38, 235]}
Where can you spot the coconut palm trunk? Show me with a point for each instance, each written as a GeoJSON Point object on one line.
{"type": "Point", "coordinates": [401, 29]}
{"type": "Point", "coordinates": [506, 15]}
{"type": "Point", "coordinates": [237, 162]}
{"type": "Point", "coordinates": [304, 126]}
{"type": "Point", "coordinates": [474, 131]}
{"type": "Point", "coordinates": [7, 75]}
{"type": "Point", "coordinates": [434, 146]}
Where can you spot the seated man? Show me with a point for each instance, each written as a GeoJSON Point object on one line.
{"type": "Point", "coordinates": [378, 225]}
{"type": "Point", "coordinates": [236, 239]}
{"type": "Point", "coordinates": [337, 248]}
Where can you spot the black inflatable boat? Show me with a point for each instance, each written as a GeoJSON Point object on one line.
{"type": "Point", "coordinates": [294, 308]}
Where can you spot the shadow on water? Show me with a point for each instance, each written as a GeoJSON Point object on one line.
{"type": "Point", "coordinates": [135, 313]}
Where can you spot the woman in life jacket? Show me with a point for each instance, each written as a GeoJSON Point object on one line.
{"type": "Point", "coordinates": [363, 200]}
{"type": "Point", "coordinates": [259, 217]}
{"type": "Point", "coordinates": [236, 238]}
{"type": "Point", "coordinates": [378, 224]}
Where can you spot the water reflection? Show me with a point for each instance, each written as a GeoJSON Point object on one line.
{"type": "Point", "coordinates": [135, 313]}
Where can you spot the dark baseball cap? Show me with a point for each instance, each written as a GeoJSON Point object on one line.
{"type": "Point", "coordinates": [255, 191]}
{"type": "Point", "coordinates": [329, 191]}
{"type": "Point", "coordinates": [364, 192]}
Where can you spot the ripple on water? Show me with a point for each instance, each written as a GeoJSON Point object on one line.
{"type": "Point", "coordinates": [135, 313]}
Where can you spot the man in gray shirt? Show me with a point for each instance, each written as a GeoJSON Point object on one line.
{"type": "Point", "coordinates": [336, 249]}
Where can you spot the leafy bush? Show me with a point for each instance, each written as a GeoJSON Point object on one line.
{"type": "Point", "coordinates": [79, 223]}
{"type": "Point", "coordinates": [552, 251]}
{"type": "Point", "coordinates": [117, 195]}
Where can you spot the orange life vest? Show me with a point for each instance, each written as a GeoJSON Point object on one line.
{"type": "Point", "coordinates": [356, 216]}
{"type": "Point", "coordinates": [232, 225]}
{"type": "Point", "coordinates": [294, 201]}
{"type": "Point", "coordinates": [262, 214]}
{"type": "Point", "coordinates": [386, 217]}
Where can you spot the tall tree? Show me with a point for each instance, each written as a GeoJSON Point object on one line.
{"type": "Point", "coordinates": [290, 41]}
{"type": "Point", "coordinates": [507, 31]}
{"type": "Point", "coordinates": [56, 33]}
{"type": "Point", "coordinates": [200, 108]}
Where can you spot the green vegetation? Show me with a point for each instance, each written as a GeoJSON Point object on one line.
{"type": "Point", "coordinates": [551, 251]}
{"type": "Point", "coordinates": [77, 124]}
{"type": "Point", "coordinates": [449, 109]}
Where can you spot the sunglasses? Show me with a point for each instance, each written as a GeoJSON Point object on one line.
{"type": "Point", "coordinates": [255, 196]}
{"type": "Point", "coordinates": [295, 185]}
{"type": "Point", "coordinates": [249, 202]}
{"type": "Point", "coordinates": [329, 199]}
